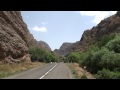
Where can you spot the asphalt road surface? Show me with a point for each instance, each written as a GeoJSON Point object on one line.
{"type": "Point", "coordinates": [48, 71]}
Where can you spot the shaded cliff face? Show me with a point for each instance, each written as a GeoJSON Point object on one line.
{"type": "Point", "coordinates": [44, 45]}
{"type": "Point", "coordinates": [64, 49]}
{"type": "Point", "coordinates": [37, 44]}
{"type": "Point", "coordinates": [13, 37]}
{"type": "Point", "coordinates": [106, 27]}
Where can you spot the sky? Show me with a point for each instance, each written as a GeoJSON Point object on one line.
{"type": "Point", "coordinates": [57, 27]}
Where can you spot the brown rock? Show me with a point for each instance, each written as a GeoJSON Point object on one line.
{"type": "Point", "coordinates": [37, 44]}
{"type": "Point", "coordinates": [13, 36]}
{"type": "Point", "coordinates": [64, 49]}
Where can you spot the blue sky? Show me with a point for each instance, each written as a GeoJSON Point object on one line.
{"type": "Point", "coordinates": [57, 27]}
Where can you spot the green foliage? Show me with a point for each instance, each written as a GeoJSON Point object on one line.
{"type": "Point", "coordinates": [73, 57]}
{"type": "Point", "coordinates": [102, 57]}
{"type": "Point", "coordinates": [110, 60]}
{"type": "Point", "coordinates": [107, 74]}
{"type": "Point", "coordinates": [42, 55]}
{"type": "Point", "coordinates": [114, 45]}
{"type": "Point", "coordinates": [91, 60]}
{"type": "Point", "coordinates": [105, 39]}
{"type": "Point", "coordinates": [84, 77]}
{"type": "Point", "coordinates": [106, 60]}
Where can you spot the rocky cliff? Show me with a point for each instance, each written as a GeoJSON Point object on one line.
{"type": "Point", "coordinates": [37, 44]}
{"type": "Point", "coordinates": [44, 45]}
{"type": "Point", "coordinates": [13, 37]}
{"type": "Point", "coordinates": [64, 49]}
{"type": "Point", "coordinates": [106, 27]}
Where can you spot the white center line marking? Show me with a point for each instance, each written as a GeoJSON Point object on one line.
{"type": "Point", "coordinates": [48, 71]}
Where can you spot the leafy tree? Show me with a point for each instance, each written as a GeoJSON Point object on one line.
{"type": "Point", "coordinates": [41, 55]}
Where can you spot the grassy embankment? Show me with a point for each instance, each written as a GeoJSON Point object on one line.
{"type": "Point", "coordinates": [78, 72]}
{"type": "Point", "coordinates": [10, 69]}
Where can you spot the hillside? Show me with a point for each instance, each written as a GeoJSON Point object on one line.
{"type": "Point", "coordinates": [64, 49]}
{"type": "Point", "coordinates": [98, 51]}
{"type": "Point", "coordinates": [106, 27]}
{"type": "Point", "coordinates": [38, 44]}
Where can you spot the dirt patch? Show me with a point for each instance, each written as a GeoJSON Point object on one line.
{"type": "Point", "coordinates": [79, 72]}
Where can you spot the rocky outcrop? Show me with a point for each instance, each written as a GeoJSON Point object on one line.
{"type": "Point", "coordinates": [106, 27]}
{"type": "Point", "coordinates": [44, 45]}
{"type": "Point", "coordinates": [64, 49]}
{"type": "Point", "coordinates": [13, 37]}
{"type": "Point", "coordinates": [37, 44]}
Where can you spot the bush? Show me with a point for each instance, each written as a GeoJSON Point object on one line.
{"type": "Point", "coordinates": [105, 58]}
{"type": "Point", "coordinates": [105, 39]}
{"type": "Point", "coordinates": [73, 57]}
{"type": "Point", "coordinates": [91, 59]}
{"type": "Point", "coordinates": [114, 45]}
{"type": "Point", "coordinates": [102, 59]}
{"type": "Point", "coordinates": [40, 55]}
{"type": "Point", "coordinates": [107, 74]}
{"type": "Point", "coordinates": [84, 77]}
{"type": "Point", "coordinates": [110, 60]}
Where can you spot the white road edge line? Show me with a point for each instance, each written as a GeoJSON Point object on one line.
{"type": "Point", "coordinates": [48, 71]}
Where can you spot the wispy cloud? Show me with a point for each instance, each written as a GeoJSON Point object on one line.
{"type": "Point", "coordinates": [39, 29]}
{"type": "Point", "coordinates": [98, 15]}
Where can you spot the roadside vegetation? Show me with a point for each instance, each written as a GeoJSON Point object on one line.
{"type": "Point", "coordinates": [10, 69]}
{"type": "Point", "coordinates": [40, 55]}
{"type": "Point", "coordinates": [78, 72]}
{"type": "Point", "coordinates": [101, 59]}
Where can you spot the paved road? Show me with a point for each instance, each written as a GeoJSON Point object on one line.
{"type": "Point", "coordinates": [48, 71]}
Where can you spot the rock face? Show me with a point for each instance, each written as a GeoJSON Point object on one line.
{"type": "Point", "coordinates": [37, 44]}
{"type": "Point", "coordinates": [13, 37]}
{"type": "Point", "coordinates": [64, 49]}
{"type": "Point", "coordinates": [44, 45]}
{"type": "Point", "coordinates": [106, 27]}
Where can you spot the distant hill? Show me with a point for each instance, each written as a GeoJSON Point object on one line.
{"type": "Point", "coordinates": [64, 49]}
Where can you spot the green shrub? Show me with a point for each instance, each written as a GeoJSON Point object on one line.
{"type": "Point", "coordinates": [84, 77]}
{"type": "Point", "coordinates": [91, 60]}
{"type": "Point", "coordinates": [110, 60]}
{"type": "Point", "coordinates": [114, 45]}
{"type": "Point", "coordinates": [104, 59]}
{"type": "Point", "coordinates": [40, 55]}
{"type": "Point", "coordinates": [73, 57]}
{"type": "Point", "coordinates": [105, 39]}
{"type": "Point", "coordinates": [107, 74]}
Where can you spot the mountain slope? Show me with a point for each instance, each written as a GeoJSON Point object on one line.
{"type": "Point", "coordinates": [64, 49]}
{"type": "Point", "coordinates": [38, 44]}
{"type": "Point", "coordinates": [103, 30]}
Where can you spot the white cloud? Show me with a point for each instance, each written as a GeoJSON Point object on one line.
{"type": "Point", "coordinates": [44, 23]}
{"type": "Point", "coordinates": [41, 29]}
{"type": "Point", "coordinates": [113, 12]}
{"type": "Point", "coordinates": [98, 15]}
